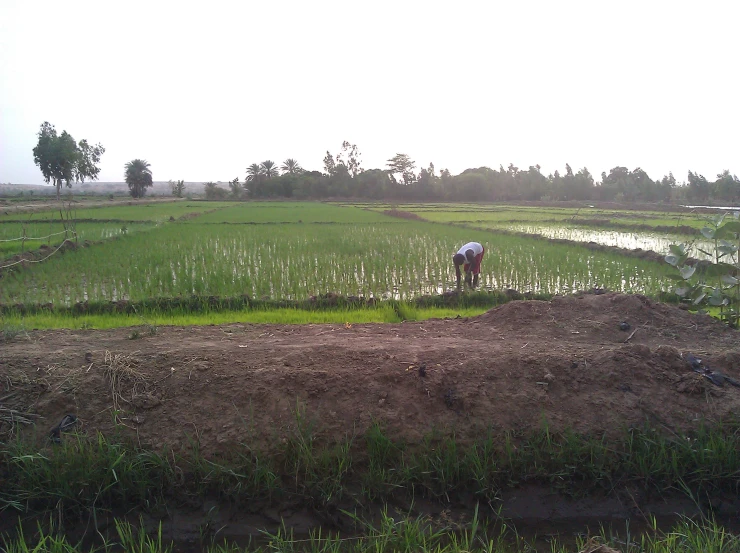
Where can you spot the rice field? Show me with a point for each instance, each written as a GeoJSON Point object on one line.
{"type": "Point", "coordinates": [154, 211]}
{"type": "Point", "coordinates": [645, 230]}
{"type": "Point", "coordinates": [494, 213]}
{"type": "Point", "coordinates": [291, 212]}
{"type": "Point", "coordinates": [18, 237]}
{"type": "Point", "coordinates": [294, 261]}
{"type": "Point", "coordinates": [654, 241]}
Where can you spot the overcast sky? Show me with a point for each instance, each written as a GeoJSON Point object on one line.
{"type": "Point", "coordinates": [203, 89]}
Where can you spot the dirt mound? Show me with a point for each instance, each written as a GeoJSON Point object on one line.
{"type": "Point", "coordinates": [403, 214]}
{"type": "Point", "coordinates": [566, 360]}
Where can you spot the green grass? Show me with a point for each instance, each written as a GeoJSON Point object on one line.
{"type": "Point", "coordinates": [293, 262]}
{"type": "Point", "coordinates": [291, 212]}
{"type": "Point", "coordinates": [153, 211]}
{"type": "Point", "coordinates": [380, 314]}
{"type": "Point", "coordinates": [95, 472]}
{"type": "Point", "coordinates": [497, 215]}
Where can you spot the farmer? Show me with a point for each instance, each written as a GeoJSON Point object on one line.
{"type": "Point", "coordinates": [469, 256]}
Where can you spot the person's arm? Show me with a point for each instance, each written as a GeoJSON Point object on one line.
{"type": "Point", "coordinates": [458, 274]}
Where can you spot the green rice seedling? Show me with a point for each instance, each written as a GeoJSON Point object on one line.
{"type": "Point", "coordinates": [45, 541]}
{"type": "Point", "coordinates": [291, 212]}
{"type": "Point", "coordinates": [138, 541]}
{"type": "Point", "coordinates": [25, 237]}
{"type": "Point", "coordinates": [145, 211]}
{"type": "Point", "coordinates": [391, 261]}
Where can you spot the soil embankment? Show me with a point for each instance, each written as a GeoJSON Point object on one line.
{"type": "Point", "coordinates": [566, 361]}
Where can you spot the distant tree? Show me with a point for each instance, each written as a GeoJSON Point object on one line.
{"type": "Point", "coordinates": [62, 160]}
{"type": "Point", "coordinates": [698, 187]}
{"type": "Point", "coordinates": [726, 187]}
{"type": "Point", "coordinates": [349, 156]}
{"type": "Point", "coordinates": [178, 188]}
{"type": "Point", "coordinates": [138, 177]}
{"type": "Point", "coordinates": [427, 183]}
{"type": "Point", "coordinates": [330, 165]}
{"type": "Point", "coordinates": [253, 171]}
{"type": "Point", "coordinates": [291, 167]}
{"type": "Point", "coordinates": [236, 188]}
{"type": "Point", "coordinates": [214, 192]}
{"type": "Point", "coordinates": [401, 164]}
{"type": "Point", "coordinates": [269, 169]}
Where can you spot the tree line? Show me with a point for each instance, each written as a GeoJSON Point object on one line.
{"type": "Point", "coordinates": [62, 160]}
{"type": "Point", "coordinates": [400, 179]}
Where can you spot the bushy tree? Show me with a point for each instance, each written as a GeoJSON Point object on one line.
{"type": "Point", "coordinates": [215, 192]}
{"type": "Point", "coordinates": [62, 160]}
{"type": "Point", "coordinates": [236, 188]}
{"type": "Point", "coordinates": [178, 188]}
{"type": "Point", "coordinates": [138, 177]}
{"type": "Point", "coordinates": [401, 164]}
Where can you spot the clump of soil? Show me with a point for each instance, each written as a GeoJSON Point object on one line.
{"type": "Point", "coordinates": [403, 214]}
{"type": "Point", "coordinates": [564, 360]}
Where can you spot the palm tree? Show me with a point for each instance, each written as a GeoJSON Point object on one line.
{"type": "Point", "coordinates": [291, 166]}
{"type": "Point", "coordinates": [253, 171]}
{"type": "Point", "coordinates": [138, 177]}
{"type": "Point", "coordinates": [269, 169]}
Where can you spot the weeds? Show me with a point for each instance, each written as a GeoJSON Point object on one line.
{"type": "Point", "coordinates": [717, 284]}
{"type": "Point", "coordinates": [418, 535]}
{"type": "Point", "coordinates": [10, 331]}
{"type": "Point", "coordinates": [85, 472]}
{"type": "Point", "coordinates": [319, 472]}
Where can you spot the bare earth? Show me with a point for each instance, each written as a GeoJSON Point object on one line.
{"type": "Point", "coordinates": [565, 361]}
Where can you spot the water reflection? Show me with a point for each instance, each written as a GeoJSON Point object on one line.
{"type": "Point", "coordinates": [656, 242]}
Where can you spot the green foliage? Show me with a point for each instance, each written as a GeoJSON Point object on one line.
{"type": "Point", "coordinates": [62, 160]}
{"type": "Point", "coordinates": [138, 177]}
{"type": "Point", "coordinates": [178, 188]}
{"type": "Point", "coordinates": [237, 190]}
{"type": "Point", "coordinates": [716, 284]}
{"type": "Point", "coordinates": [291, 166]}
{"type": "Point", "coordinates": [215, 192]}
{"type": "Point", "coordinates": [401, 164]}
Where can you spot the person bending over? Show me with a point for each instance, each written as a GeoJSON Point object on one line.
{"type": "Point", "coordinates": [470, 257]}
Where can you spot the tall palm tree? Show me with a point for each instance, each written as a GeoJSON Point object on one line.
{"type": "Point", "coordinates": [253, 171]}
{"type": "Point", "coordinates": [291, 166]}
{"type": "Point", "coordinates": [269, 169]}
{"type": "Point", "coordinates": [138, 177]}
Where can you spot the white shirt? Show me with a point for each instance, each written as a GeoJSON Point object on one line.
{"type": "Point", "coordinates": [475, 246]}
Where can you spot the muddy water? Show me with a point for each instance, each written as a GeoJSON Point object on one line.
{"type": "Point", "coordinates": [538, 515]}
{"type": "Point", "coordinates": [657, 242]}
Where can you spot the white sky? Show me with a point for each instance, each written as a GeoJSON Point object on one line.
{"type": "Point", "coordinates": [203, 89]}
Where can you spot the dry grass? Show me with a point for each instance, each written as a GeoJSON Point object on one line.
{"type": "Point", "coordinates": [125, 379]}
{"type": "Point", "coordinates": [593, 546]}
{"type": "Point", "coordinates": [12, 414]}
